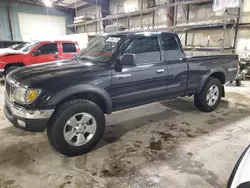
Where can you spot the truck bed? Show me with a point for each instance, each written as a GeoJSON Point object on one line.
{"type": "Point", "coordinates": [206, 65]}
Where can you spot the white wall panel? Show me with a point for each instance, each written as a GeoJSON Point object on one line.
{"type": "Point", "coordinates": [92, 11]}
{"type": "Point", "coordinates": [41, 27]}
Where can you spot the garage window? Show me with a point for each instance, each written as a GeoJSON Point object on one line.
{"type": "Point", "coordinates": [69, 47]}
{"type": "Point", "coordinates": [49, 48]}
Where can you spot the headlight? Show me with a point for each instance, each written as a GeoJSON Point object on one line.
{"type": "Point", "coordinates": [19, 94]}
{"type": "Point", "coordinates": [25, 96]}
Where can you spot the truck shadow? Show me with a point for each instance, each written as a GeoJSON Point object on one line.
{"type": "Point", "coordinates": [180, 109]}
{"type": "Point", "coordinates": [2, 81]}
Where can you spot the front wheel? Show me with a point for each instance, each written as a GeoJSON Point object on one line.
{"type": "Point", "coordinates": [76, 127]}
{"type": "Point", "coordinates": [210, 96]}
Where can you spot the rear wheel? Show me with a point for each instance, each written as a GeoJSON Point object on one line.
{"type": "Point", "coordinates": [238, 82]}
{"type": "Point", "coordinates": [210, 96]}
{"type": "Point", "coordinates": [76, 127]}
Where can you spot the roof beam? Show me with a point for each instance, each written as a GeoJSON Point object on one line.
{"type": "Point", "coordinates": [58, 1]}
{"type": "Point", "coordinates": [78, 4]}
{"type": "Point", "coordinates": [104, 4]}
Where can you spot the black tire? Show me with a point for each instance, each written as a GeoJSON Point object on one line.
{"type": "Point", "coordinates": [238, 82]}
{"type": "Point", "coordinates": [62, 114]}
{"type": "Point", "coordinates": [200, 98]}
{"type": "Point", "coordinates": [9, 69]}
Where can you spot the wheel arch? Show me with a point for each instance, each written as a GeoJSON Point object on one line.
{"type": "Point", "coordinates": [218, 73]}
{"type": "Point", "coordinates": [19, 64]}
{"type": "Point", "coordinates": [93, 93]}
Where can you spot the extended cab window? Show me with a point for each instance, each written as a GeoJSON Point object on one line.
{"type": "Point", "coordinates": [69, 47]}
{"type": "Point", "coordinates": [146, 50]}
{"type": "Point", "coordinates": [171, 47]}
{"type": "Point", "coordinates": [50, 48]}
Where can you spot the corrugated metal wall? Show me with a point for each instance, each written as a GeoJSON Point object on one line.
{"type": "Point", "coordinates": [4, 22]}
{"type": "Point", "coordinates": [27, 8]}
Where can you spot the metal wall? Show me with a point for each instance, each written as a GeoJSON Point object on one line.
{"type": "Point", "coordinates": [4, 22]}
{"type": "Point", "coordinates": [27, 8]}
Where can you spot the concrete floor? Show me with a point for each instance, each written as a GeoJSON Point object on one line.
{"type": "Point", "coordinates": [167, 144]}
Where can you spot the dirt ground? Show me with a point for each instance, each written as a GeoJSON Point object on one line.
{"type": "Point", "coordinates": [166, 144]}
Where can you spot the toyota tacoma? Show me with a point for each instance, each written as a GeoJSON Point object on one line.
{"type": "Point", "coordinates": [69, 98]}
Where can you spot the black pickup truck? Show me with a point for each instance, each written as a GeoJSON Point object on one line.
{"type": "Point", "coordinates": [115, 71]}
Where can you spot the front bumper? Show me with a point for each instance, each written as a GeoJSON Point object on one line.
{"type": "Point", "coordinates": [29, 120]}
{"type": "Point", "coordinates": [1, 72]}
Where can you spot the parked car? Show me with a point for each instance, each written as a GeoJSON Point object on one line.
{"type": "Point", "coordinates": [114, 72]}
{"type": "Point", "coordinates": [240, 175]}
{"type": "Point", "coordinates": [8, 43]}
{"type": "Point", "coordinates": [14, 48]}
{"type": "Point", "coordinates": [37, 52]}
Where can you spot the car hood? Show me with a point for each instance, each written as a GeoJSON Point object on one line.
{"type": "Point", "coordinates": [8, 51]}
{"type": "Point", "coordinates": [57, 73]}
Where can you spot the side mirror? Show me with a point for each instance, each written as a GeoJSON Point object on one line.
{"type": "Point", "coordinates": [37, 52]}
{"type": "Point", "coordinates": [128, 59]}
{"type": "Point", "coordinates": [240, 176]}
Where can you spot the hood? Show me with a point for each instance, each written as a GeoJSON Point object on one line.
{"type": "Point", "coordinates": [8, 51]}
{"type": "Point", "coordinates": [57, 73]}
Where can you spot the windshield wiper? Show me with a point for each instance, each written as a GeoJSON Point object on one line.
{"type": "Point", "coordinates": [89, 59]}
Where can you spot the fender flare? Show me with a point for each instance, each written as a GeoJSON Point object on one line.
{"type": "Point", "coordinates": [210, 72]}
{"type": "Point", "coordinates": [13, 64]}
{"type": "Point", "coordinates": [83, 88]}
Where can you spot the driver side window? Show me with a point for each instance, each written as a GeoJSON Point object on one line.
{"type": "Point", "coordinates": [146, 50]}
{"type": "Point", "coordinates": [50, 48]}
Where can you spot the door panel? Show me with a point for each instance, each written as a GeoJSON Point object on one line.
{"type": "Point", "coordinates": [177, 77]}
{"type": "Point", "coordinates": [177, 66]}
{"type": "Point", "coordinates": [144, 82]}
{"type": "Point", "coordinates": [49, 52]}
{"type": "Point", "coordinates": [69, 49]}
{"type": "Point", "coordinates": [139, 84]}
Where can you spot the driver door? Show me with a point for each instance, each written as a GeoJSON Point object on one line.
{"type": "Point", "coordinates": [144, 82]}
{"type": "Point", "coordinates": [49, 52]}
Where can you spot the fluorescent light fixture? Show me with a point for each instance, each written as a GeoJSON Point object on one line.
{"type": "Point", "coordinates": [78, 18]}
{"type": "Point", "coordinates": [48, 3]}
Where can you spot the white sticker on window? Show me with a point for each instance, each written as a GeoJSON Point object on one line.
{"type": "Point", "coordinates": [113, 39]}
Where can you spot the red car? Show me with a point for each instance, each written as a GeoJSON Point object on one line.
{"type": "Point", "coordinates": [37, 52]}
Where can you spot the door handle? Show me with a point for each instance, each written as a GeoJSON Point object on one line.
{"type": "Point", "coordinates": [160, 70]}
{"type": "Point", "coordinates": [56, 56]}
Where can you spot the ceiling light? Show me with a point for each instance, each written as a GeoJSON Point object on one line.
{"type": "Point", "coordinates": [48, 3]}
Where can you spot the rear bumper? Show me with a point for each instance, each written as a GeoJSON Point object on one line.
{"type": "Point", "coordinates": [34, 121]}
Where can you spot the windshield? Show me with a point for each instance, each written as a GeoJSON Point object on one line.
{"type": "Point", "coordinates": [13, 46]}
{"type": "Point", "coordinates": [20, 46]}
{"type": "Point", "coordinates": [30, 47]}
{"type": "Point", "coordinates": [102, 48]}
